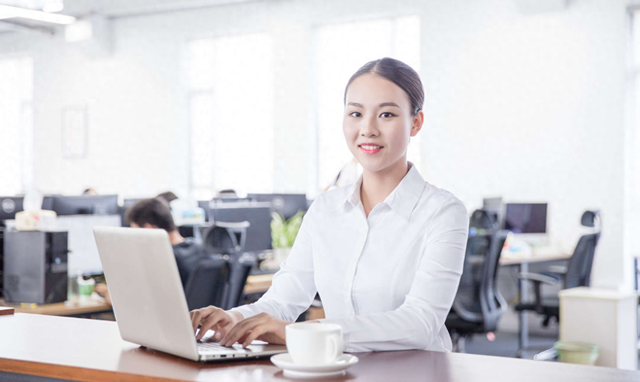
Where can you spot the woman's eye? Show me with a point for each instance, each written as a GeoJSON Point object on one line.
{"type": "Point", "coordinates": [355, 114]}
{"type": "Point", "coordinates": [386, 115]}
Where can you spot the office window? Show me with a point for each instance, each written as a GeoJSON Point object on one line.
{"type": "Point", "coordinates": [16, 152]}
{"type": "Point", "coordinates": [632, 146]}
{"type": "Point", "coordinates": [230, 114]}
{"type": "Point", "coordinates": [341, 50]}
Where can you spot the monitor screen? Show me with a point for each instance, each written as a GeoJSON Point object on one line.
{"type": "Point", "coordinates": [9, 206]}
{"type": "Point", "coordinates": [526, 218]}
{"type": "Point", "coordinates": [259, 216]}
{"type": "Point", "coordinates": [84, 205]}
{"type": "Point", "coordinates": [285, 204]}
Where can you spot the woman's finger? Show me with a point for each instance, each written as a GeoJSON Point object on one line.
{"type": "Point", "coordinates": [220, 330]}
{"type": "Point", "coordinates": [210, 322]}
{"type": "Point", "coordinates": [195, 319]}
{"type": "Point", "coordinates": [240, 329]}
{"type": "Point", "coordinates": [254, 334]}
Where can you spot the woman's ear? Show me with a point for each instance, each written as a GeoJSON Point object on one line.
{"type": "Point", "coordinates": [418, 120]}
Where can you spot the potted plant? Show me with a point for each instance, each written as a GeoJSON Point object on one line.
{"type": "Point", "coordinates": [283, 234]}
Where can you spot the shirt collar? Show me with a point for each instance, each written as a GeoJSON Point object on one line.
{"type": "Point", "coordinates": [403, 198]}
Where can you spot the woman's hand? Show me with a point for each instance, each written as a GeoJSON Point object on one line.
{"type": "Point", "coordinates": [260, 327]}
{"type": "Point", "coordinates": [214, 318]}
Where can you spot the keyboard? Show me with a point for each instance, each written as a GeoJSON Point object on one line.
{"type": "Point", "coordinates": [216, 347]}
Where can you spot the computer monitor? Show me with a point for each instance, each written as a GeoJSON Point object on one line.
{"type": "Point", "coordinates": [84, 204]}
{"type": "Point", "coordinates": [9, 206]}
{"type": "Point", "coordinates": [231, 200]}
{"type": "Point", "coordinates": [130, 202]}
{"type": "Point", "coordinates": [83, 256]}
{"type": "Point", "coordinates": [258, 215]}
{"type": "Point", "coordinates": [285, 204]}
{"type": "Point", "coordinates": [528, 218]}
{"type": "Point", "coordinates": [206, 205]}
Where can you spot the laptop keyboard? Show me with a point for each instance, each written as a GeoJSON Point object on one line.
{"type": "Point", "coordinates": [214, 346]}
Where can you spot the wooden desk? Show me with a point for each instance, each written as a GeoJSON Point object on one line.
{"type": "Point", "coordinates": [513, 260]}
{"type": "Point", "coordinates": [61, 309]}
{"type": "Point", "coordinates": [258, 283]}
{"type": "Point", "coordinates": [255, 284]}
{"type": "Point", "coordinates": [89, 350]}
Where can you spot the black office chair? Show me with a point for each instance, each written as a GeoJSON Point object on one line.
{"type": "Point", "coordinates": [224, 237]}
{"type": "Point", "coordinates": [228, 239]}
{"type": "Point", "coordinates": [478, 304]}
{"type": "Point", "coordinates": [576, 274]}
{"type": "Point", "coordinates": [240, 268]}
{"type": "Point", "coordinates": [207, 283]}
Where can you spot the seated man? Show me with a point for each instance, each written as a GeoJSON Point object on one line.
{"type": "Point", "coordinates": [155, 213]}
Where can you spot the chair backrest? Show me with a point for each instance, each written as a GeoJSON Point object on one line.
{"type": "Point", "coordinates": [225, 238]}
{"type": "Point", "coordinates": [207, 283]}
{"type": "Point", "coordinates": [581, 262]}
{"type": "Point", "coordinates": [240, 269]}
{"type": "Point", "coordinates": [478, 299]}
{"type": "Point", "coordinates": [491, 301]}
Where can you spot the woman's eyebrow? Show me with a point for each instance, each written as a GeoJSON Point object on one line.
{"type": "Point", "coordinates": [381, 105]}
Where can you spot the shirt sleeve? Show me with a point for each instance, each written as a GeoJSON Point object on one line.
{"type": "Point", "coordinates": [416, 324]}
{"type": "Point", "coordinates": [293, 287]}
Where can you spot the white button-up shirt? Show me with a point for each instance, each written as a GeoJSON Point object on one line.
{"type": "Point", "coordinates": [388, 280]}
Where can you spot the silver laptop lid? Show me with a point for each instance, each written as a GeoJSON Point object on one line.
{"type": "Point", "coordinates": [145, 288]}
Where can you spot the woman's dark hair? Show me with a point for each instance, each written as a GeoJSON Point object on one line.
{"type": "Point", "coordinates": [397, 72]}
{"type": "Point", "coordinates": [153, 211]}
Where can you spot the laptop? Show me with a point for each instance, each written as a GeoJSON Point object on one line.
{"type": "Point", "coordinates": [148, 299]}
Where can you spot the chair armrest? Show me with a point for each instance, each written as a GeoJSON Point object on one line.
{"type": "Point", "coordinates": [465, 314]}
{"type": "Point", "coordinates": [537, 278]}
{"type": "Point", "coordinates": [557, 269]}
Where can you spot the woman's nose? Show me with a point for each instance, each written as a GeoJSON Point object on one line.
{"type": "Point", "coordinates": [369, 129]}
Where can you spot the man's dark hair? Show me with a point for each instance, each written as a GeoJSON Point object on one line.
{"type": "Point", "coordinates": [397, 72]}
{"type": "Point", "coordinates": [152, 211]}
{"type": "Point", "coordinates": [168, 196]}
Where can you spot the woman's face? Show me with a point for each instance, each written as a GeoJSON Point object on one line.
{"type": "Point", "coordinates": [378, 123]}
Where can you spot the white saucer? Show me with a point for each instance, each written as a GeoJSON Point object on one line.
{"type": "Point", "coordinates": [284, 361]}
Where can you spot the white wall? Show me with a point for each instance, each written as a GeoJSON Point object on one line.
{"type": "Point", "coordinates": [529, 107]}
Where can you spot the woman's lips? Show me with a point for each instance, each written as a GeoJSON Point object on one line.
{"type": "Point", "coordinates": [370, 149]}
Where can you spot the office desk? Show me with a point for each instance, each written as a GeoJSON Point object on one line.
{"type": "Point", "coordinates": [258, 283]}
{"type": "Point", "coordinates": [61, 309]}
{"type": "Point", "coordinates": [255, 284]}
{"type": "Point", "coordinates": [523, 267]}
{"type": "Point", "coordinates": [90, 350]}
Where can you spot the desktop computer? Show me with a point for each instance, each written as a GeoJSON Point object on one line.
{"type": "Point", "coordinates": [526, 218]}
{"type": "Point", "coordinates": [285, 204]}
{"type": "Point", "coordinates": [258, 237]}
{"type": "Point", "coordinates": [9, 206]}
{"type": "Point", "coordinates": [83, 256]}
{"type": "Point", "coordinates": [528, 221]}
{"type": "Point", "coordinates": [82, 205]}
{"type": "Point", "coordinates": [35, 266]}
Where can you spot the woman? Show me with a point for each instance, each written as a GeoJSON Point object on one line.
{"type": "Point", "coordinates": [385, 255]}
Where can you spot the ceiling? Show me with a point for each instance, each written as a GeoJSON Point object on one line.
{"type": "Point", "coordinates": [123, 8]}
{"type": "Point", "coordinates": [108, 8]}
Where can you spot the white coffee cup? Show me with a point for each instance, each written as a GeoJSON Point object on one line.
{"type": "Point", "coordinates": [314, 343]}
